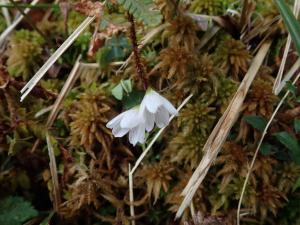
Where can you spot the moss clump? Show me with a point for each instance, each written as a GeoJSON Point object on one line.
{"type": "Point", "coordinates": [233, 57]}
{"type": "Point", "coordinates": [210, 7]}
{"type": "Point", "coordinates": [25, 49]}
{"type": "Point", "coordinates": [89, 115]}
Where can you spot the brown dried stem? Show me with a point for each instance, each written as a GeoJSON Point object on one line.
{"type": "Point", "coordinates": [136, 52]}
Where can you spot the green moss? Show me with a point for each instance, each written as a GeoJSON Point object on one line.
{"type": "Point", "coordinates": [25, 49]}
{"type": "Point", "coordinates": [210, 7]}
{"type": "Point", "coordinates": [2, 24]}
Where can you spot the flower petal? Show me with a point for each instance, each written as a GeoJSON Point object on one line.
{"type": "Point", "coordinates": [119, 132]}
{"type": "Point", "coordinates": [133, 133]}
{"type": "Point", "coordinates": [162, 117]}
{"type": "Point", "coordinates": [149, 119]}
{"type": "Point", "coordinates": [131, 119]}
{"type": "Point", "coordinates": [141, 133]}
{"type": "Point", "coordinates": [169, 107]}
{"type": "Point", "coordinates": [152, 101]}
{"type": "Point", "coordinates": [115, 121]}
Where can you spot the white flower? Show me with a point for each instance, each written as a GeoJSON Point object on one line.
{"type": "Point", "coordinates": [129, 121]}
{"type": "Point", "coordinates": [156, 109]}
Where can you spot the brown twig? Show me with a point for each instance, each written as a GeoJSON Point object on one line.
{"type": "Point", "coordinates": [136, 52]}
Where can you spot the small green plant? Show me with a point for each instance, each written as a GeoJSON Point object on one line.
{"type": "Point", "coordinates": [15, 210]}
{"type": "Point", "coordinates": [141, 10]}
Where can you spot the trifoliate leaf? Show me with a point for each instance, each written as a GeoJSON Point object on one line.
{"type": "Point", "coordinates": [117, 92]}
{"type": "Point", "coordinates": [127, 85]}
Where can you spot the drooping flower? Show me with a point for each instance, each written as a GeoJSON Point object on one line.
{"type": "Point", "coordinates": [154, 109]}
{"type": "Point", "coordinates": [129, 121]}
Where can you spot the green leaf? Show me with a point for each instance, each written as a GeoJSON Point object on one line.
{"type": "Point", "coordinates": [290, 22]}
{"type": "Point", "coordinates": [297, 125]}
{"type": "Point", "coordinates": [287, 140]}
{"type": "Point", "coordinates": [265, 148]}
{"type": "Point", "coordinates": [114, 49]}
{"type": "Point", "coordinates": [291, 88]}
{"type": "Point", "coordinates": [256, 122]}
{"type": "Point", "coordinates": [127, 85]}
{"type": "Point", "coordinates": [297, 184]}
{"type": "Point", "coordinates": [103, 57]}
{"type": "Point", "coordinates": [15, 211]}
{"type": "Point", "coordinates": [117, 92]}
{"type": "Point", "coordinates": [298, 99]}
{"type": "Point", "coordinates": [291, 144]}
{"type": "Point", "coordinates": [142, 11]}
{"type": "Point", "coordinates": [133, 99]}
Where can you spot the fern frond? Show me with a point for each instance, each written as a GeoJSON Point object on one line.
{"type": "Point", "coordinates": [142, 10]}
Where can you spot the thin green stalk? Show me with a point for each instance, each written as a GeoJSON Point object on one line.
{"type": "Point", "coordinates": [38, 6]}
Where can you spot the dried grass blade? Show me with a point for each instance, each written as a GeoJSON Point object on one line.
{"type": "Point", "coordinates": [257, 149]}
{"type": "Point", "coordinates": [38, 76]}
{"type": "Point", "coordinates": [9, 29]}
{"type": "Point", "coordinates": [53, 171]}
{"type": "Point", "coordinates": [6, 14]}
{"type": "Point", "coordinates": [288, 76]}
{"type": "Point", "coordinates": [221, 130]}
{"type": "Point", "coordinates": [278, 81]}
{"type": "Point", "coordinates": [66, 88]}
{"type": "Point", "coordinates": [131, 198]}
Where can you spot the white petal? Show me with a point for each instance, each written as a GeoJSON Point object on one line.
{"type": "Point", "coordinates": [152, 101]}
{"type": "Point", "coordinates": [133, 136]}
{"type": "Point", "coordinates": [137, 134]}
{"type": "Point", "coordinates": [168, 106]}
{"type": "Point", "coordinates": [149, 120]}
{"type": "Point", "coordinates": [141, 133]}
{"type": "Point", "coordinates": [119, 132]}
{"type": "Point", "coordinates": [130, 119]}
{"type": "Point", "coordinates": [162, 117]}
{"type": "Point", "coordinates": [115, 121]}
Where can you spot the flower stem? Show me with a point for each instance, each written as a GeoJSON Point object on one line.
{"type": "Point", "coordinates": [136, 52]}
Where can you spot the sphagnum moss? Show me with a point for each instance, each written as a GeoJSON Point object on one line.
{"type": "Point", "coordinates": [89, 117]}
{"type": "Point", "coordinates": [25, 49]}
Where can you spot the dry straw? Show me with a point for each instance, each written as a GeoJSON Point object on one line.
{"type": "Point", "coordinates": [65, 90]}
{"type": "Point", "coordinates": [279, 83]}
{"type": "Point", "coordinates": [6, 14]}
{"type": "Point", "coordinates": [53, 171]}
{"type": "Point", "coordinates": [131, 198]}
{"type": "Point", "coordinates": [12, 26]}
{"type": "Point", "coordinates": [221, 130]}
{"type": "Point", "coordinates": [41, 72]}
